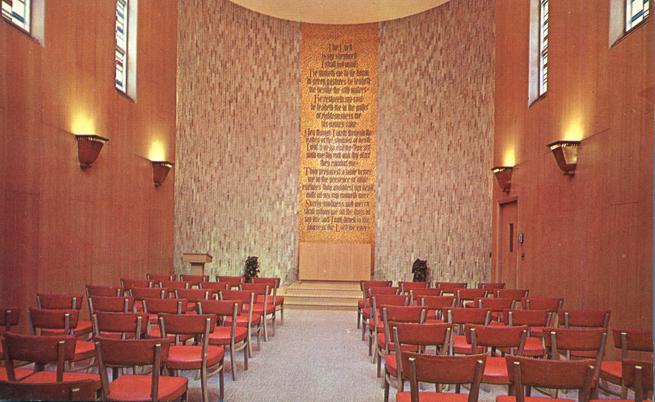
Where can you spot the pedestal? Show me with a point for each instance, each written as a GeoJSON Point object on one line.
{"type": "Point", "coordinates": [197, 262]}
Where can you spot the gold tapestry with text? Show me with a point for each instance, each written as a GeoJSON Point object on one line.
{"type": "Point", "coordinates": [338, 133]}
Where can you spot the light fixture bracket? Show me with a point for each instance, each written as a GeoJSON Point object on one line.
{"type": "Point", "coordinates": [566, 155]}
{"type": "Point", "coordinates": [503, 176]}
{"type": "Point", "coordinates": [88, 148]}
{"type": "Point", "coordinates": [160, 170]}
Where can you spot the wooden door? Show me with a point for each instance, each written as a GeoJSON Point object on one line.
{"type": "Point", "coordinates": [508, 244]}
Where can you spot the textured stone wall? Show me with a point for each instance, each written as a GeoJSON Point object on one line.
{"type": "Point", "coordinates": [238, 127]}
{"type": "Point", "coordinates": [435, 127]}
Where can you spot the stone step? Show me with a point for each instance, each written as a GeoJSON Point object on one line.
{"type": "Point", "coordinates": [323, 298]}
{"type": "Point", "coordinates": [321, 295]}
{"type": "Point", "coordinates": [317, 305]}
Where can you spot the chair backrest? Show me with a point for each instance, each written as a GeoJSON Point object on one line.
{"type": "Point", "coordinates": [148, 293]}
{"type": "Point", "coordinates": [38, 349]}
{"type": "Point", "coordinates": [260, 289]}
{"type": "Point", "coordinates": [495, 304]}
{"type": "Point", "coordinates": [638, 375]}
{"type": "Point", "coordinates": [516, 294]}
{"type": "Point", "coordinates": [76, 390]}
{"type": "Point", "coordinates": [132, 325]}
{"type": "Point", "coordinates": [9, 318]}
{"type": "Point", "coordinates": [397, 314]}
{"type": "Point", "coordinates": [584, 319]}
{"type": "Point", "coordinates": [214, 286]}
{"type": "Point", "coordinates": [193, 295]}
{"type": "Point", "coordinates": [494, 337]}
{"type": "Point", "coordinates": [388, 290]}
{"type": "Point", "coordinates": [273, 282]}
{"type": "Point", "coordinates": [416, 294]}
{"type": "Point", "coordinates": [172, 285]}
{"type": "Point", "coordinates": [52, 301]}
{"type": "Point", "coordinates": [169, 306]}
{"type": "Point", "coordinates": [438, 302]}
{"type": "Point", "coordinates": [101, 290]}
{"type": "Point", "coordinates": [161, 277]}
{"type": "Point", "coordinates": [41, 319]}
{"type": "Point", "coordinates": [492, 286]}
{"type": "Point", "coordinates": [194, 280]}
{"type": "Point", "coordinates": [464, 295]}
{"type": "Point", "coordinates": [463, 315]}
{"type": "Point", "coordinates": [244, 296]}
{"type": "Point", "coordinates": [421, 335]}
{"type": "Point", "coordinates": [365, 285]}
{"type": "Point", "coordinates": [406, 286]}
{"type": "Point", "coordinates": [187, 324]}
{"type": "Point", "coordinates": [558, 374]}
{"type": "Point", "coordinates": [130, 353]}
{"type": "Point", "coordinates": [450, 287]}
{"type": "Point", "coordinates": [531, 318]}
{"type": "Point", "coordinates": [234, 281]}
{"type": "Point", "coordinates": [440, 369]}
{"type": "Point", "coordinates": [632, 340]}
{"type": "Point", "coordinates": [116, 304]}
{"type": "Point", "coordinates": [136, 283]}
{"type": "Point", "coordinates": [220, 308]}
{"type": "Point", "coordinates": [552, 304]}
{"type": "Point", "coordinates": [571, 340]}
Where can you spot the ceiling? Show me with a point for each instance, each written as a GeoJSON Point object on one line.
{"type": "Point", "coordinates": [339, 11]}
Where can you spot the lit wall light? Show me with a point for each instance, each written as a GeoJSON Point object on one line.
{"type": "Point", "coordinates": [88, 148]}
{"type": "Point", "coordinates": [160, 170]}
{"type": "Point", "coordinates": [566, 155]}
{"type": "Point", "coordinates": [503, 176]}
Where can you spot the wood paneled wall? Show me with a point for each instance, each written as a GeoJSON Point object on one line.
{"type": "Point", "coordinates": [61, 227]}
{"type": "Point", "coordinates": [435, 129]}
{"type": "Point", "coordinates": [588, 238]}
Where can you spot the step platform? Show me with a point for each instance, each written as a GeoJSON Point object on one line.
{"type": "Point", "coordinates": [321, 295]}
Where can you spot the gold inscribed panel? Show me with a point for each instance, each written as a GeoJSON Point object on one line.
{"type": "Point", "coordinates": [338, 133]}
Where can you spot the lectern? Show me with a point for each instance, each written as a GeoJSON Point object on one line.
{"type": "Point", "coordinates": [197, 262]}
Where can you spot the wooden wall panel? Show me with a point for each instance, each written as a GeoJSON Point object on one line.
{"type": "Point", "coordinates": [435, 122]}
{"type": "Point", "coordinates": [588, 237]}
{"type": "Point", "coordinates": [64, 227]}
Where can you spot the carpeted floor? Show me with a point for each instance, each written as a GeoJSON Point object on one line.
{"type": "Point", "coordinates": [314, 356]}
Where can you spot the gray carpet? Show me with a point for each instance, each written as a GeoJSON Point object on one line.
{"type": "Point", "coordinates": [314, 356]}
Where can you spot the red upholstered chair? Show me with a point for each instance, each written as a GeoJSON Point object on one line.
{"type": "Point", "coordinates": [417, 337]}
{"type": "Point", "coordinates": [584, 319]}
{"type": "Point", "coordinates": [233, 281]}
{"type": "Point", "coordinates": [459, 317]}
{"type": "Point", "coordinates": [496, 305]}
{"type": "Point", "coordinates": [115, 304]}
{"type": "Point", "coordinates": [364, 302]}
{"type": "Point", "coordinates": [392, 315]}
{"type": "Point", "coordinates": [553, 374]}
{"type": "Point", "coordinates": [468, 296]}
{"type": "Point", "coordinates": [450, 288]}
{"type": "Point", "coordinates": [273, 282]}
{"type": "Point", "coordinates": [117, 353]}
{"type": "Point", "coordinates": [227, 335]}
{"type": "Point", "coordinates": [516, 294]}
{"type": "Point", "coordinates": [51, 301]}
{"type": "Point", "coordinates": [406, 286]}
{"type": "Point", "coordinates": [374, 323]}
{"type": "Point", "coordinates": [214, 287]}
{"type": "Point", "coordinates": [136, 283]}
{"type": "Point", "coordinates": [628, 341]}
{"type": "Point", "coordinates": [552, 304]}
{"type": "Point", "coordinates": [81, 390]}
{"type": "Point", "coordinates": [101, 290]}
{"type": "Point", "coordinates": [154, 307]}
{"type": "Point", "coordinates": [638, 376]}
{"type": "Point", "coordinates": [416, 294]}
{"type": "Point", "coordinates": [42, 350]}
{"type": "Point", "coordinates": [161, 277]}
{"type": "Point", "coordinates": [120, 325]}
{"type": "Point", "coordinates": [199, 357]}
{"type": "Point", "coordinates": [9, 317]}
{"type": "Point", "coordinates": [436, 306]}
{"type": "Point", "coordinates": [368, 304]}
{"type": "Point", "coordinates": [62, 322]}
{"type": "Point", "coordinates": [247, 316]}
{"type": "Point", "coordinates": [193, 296]}
{"type": "Point", "coordinates": [264, 303]}
{"type": "Point", "coordinates": [194, 280]}
{"type": "Point", "coordinates": [491, 286]}
{"type": "Point", "coordinates": [146, 293]}
{"type": "Point", "coordinates": [438, 369]}
{"type": "Point", "coordinates": [534, 319]}
{"type": "Point", "coordinates": [172, 286]}
{"type": "Point", "coordinates": [496, 339]}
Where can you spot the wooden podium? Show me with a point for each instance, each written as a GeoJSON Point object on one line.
{"type": "Point", "coordinates": [197, 262]}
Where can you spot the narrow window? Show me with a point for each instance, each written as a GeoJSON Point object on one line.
{"type": "Point", "coordinates": [125, 50]}
{"type": "Point", "coordinates": [543, 47]}
{"type": "Point", "coordinates": [635, 12]}
{"type": "Point", "coordinates": [19, 13]}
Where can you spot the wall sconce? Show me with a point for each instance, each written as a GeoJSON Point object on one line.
{"type": "Point", "coordinates": [566, 155]}
{"type": "Point", "coordinates": [160, 171]}
{"type": "Point", "coordinates": [504, 176]}
{"type": "Point", "coordinates": [88, 148]}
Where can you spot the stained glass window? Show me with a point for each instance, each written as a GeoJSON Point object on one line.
{"type": "Point", "coordinates": [120, 59]}
{"type": "Point", "coordinates": [18, 12]}
{"type": "Point", "coordinates": [635, 12]}
{"type": "Point", "coordinates": [543, 47]}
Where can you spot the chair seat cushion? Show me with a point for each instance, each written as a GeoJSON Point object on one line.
{"type": "Point", "coordinates": [137, 388]}
{"type": "Point", "coordinates": [259, 308]}
{"type": "Point", "coordinates": [279, 300]}
{"type": "Point", "coordinates": [51, 376]}
{"type": "Point", "coordinates": [242, 320]}
{"type": "Point", "coordinates": [221, 335]}
{"type": "Point", "coordinates": [434, 321]}
{"type": "Point", "coordinates": [505, 398]}
{"type": "Point", "coordinates": [189, 357]}
{"type": "Point", "coordinates": [495, 371]}
{"type": "Point", "coordinates": [537, 331]}
{"type": "Point", "coordinates": [84, 350]}
{"type": "Point", "coordinates": [432, 396]}
{"type": "Point", "coordinates": [19, 373]}
{"type": "Point", "coordinates": [390, 364]}
{"type": "Point", "coordinates": [612, 371]}
{"type": "Point", "coordinates": [460, 345]}
{"type": "Point", "coordinates": [366, 312]}
{"type": "Point", "coordinates": [533, 346]}
{"type": "Point", "coordinates": [360, 303]}
{"type": "Point", "coordinates": [84, 327]}
{"type": "Point", "coordinates": [155, 332]}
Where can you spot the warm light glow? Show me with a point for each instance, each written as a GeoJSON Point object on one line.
{"type": "Point", "coordinates": [573, 131]}
{"type": "Point", "coordinates": [82, 124]}
{"type": "Point", "coordinates": [157, 151]}
{"type": "Point", "coordinates": [509, 157]}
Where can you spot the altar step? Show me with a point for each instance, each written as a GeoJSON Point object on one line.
{"type": "Point", "coordinates": [321, 295]}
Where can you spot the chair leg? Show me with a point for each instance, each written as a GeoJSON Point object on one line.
{"type": "Point", "coordinates": [259, 341]}
{"type": "Point", "coordinates": [245, 360]}
{"type": "Point", "coordinates": [273, 323]}
{"type": "Point", "coordinates": [359, 316]}
{"type": "Point", "coordinates": [203, 385]}
{"type": "Point", "coordinates": [249, 341]}
{"type": "Point", "coordinates": [265, 328]}
{"type": "Point", "coordinates": [221, 382]}
{"type": "Point", "coordinates": [233, 363]}
{"type": "Point", "coordinates": [363, 328]}
{"type": "Point", "coordinates": [281, 314]}
{"type": "Point", "coordinates": [370, 345]}
{"type": "Point", "coordinates": [379, 362]}
{"type": "Point", "coordinates": [386, 390]}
